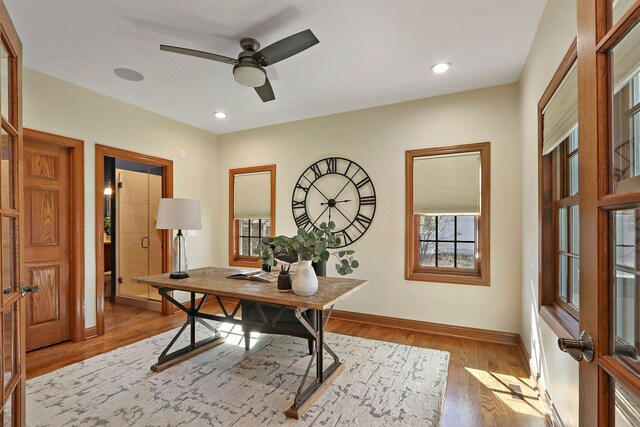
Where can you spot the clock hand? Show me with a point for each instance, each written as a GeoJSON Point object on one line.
{"type": "Point", "coordinates": [316, 187]}
{"type": "Point", "coordinates": [335, 201]}
{"type": "Point", "coordinates": [342, 213]}
{"type": "Point", "coordinates": [329, 213]}
{"type": "Point", "coordinates": [345, 186]}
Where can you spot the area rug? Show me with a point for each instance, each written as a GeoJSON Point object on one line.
{"type": "Point", "coordinates": [384, 384]}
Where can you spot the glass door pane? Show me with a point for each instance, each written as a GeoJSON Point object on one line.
{"type": "Point", "coordinates": [626, 407]}
{"type": "Point", "coordinates": [626, 302]}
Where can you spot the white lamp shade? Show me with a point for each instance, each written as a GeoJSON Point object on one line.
{"type": "Point", "coordinates": [179, 214]}
{"type": "Point", "coordinates": [447, 184]}
{"type": "Point", "coordinates": [249, 76]}
{"type": "Point", "coordinates": [560, 116]}
{"type": "Point", "coordinates": [252, 195]}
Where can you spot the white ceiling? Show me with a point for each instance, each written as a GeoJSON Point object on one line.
{"type": "Point", "coordinates": [371, 52]}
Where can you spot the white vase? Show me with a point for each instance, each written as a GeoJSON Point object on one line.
{"type": "Point", "coordinates": [305, 281]}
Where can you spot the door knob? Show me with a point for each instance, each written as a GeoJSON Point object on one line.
{"type": "Point", "coordinates": [578, 349]}
{"type": "Point", "coordinates": [25, 289]}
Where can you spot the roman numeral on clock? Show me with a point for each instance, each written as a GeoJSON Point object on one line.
{"type": "Point", "coordinates": [316, 170]}
{"type": "Point", "coordinates": [368, 200]}
{"type": "Point", "coordinates": [363, 220]}
{"type": "Point", "coordinates": [302, 187]}
{"type": "Point", "coordinates": [302, 221]}
{"type": "Point", "coordinates": [362, 183]}
{"type": "Point", "coordinates": [298, 204]}
{"type": "Point", "coordinates": [332, 164]}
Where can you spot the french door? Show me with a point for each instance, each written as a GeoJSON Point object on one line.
{"type": "Point", "coordinates": [609, 128]}
{"type": "Point", "coordinates": [12, 337]}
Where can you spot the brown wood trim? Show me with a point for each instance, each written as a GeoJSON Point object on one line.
{"type": "Point", "coordinates": [487, 335]}
{"type": "Point", "coordinates": [412, 270]}
{"type": "Point", "coordinates": [91, 332]}
{"type": "Point", "coordinates": [565, 66]}
{"type": "Point", "coordinates": [620, 28]}
{"type": "Point", "coordinates": [234, 258]}
{"type": "Point", "coordinates": [561, 323]}
{"type": "Point", "coordinates": [620, 373]}
{"type": "Point", "coordinates": [524, 354]}
{"type": "Point", "coordinates": [76, 222]}
{"type": "Point", "coordinates": [103, 151]}
{"type": "Point", "coordinates": [429, 327]}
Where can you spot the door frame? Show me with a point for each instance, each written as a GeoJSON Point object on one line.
{"type": "Point", "coordinates": [103, 151]}
{"type": "Point", "coordinates": [76, 221]}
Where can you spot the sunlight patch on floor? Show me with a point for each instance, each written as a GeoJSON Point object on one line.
{"type": "Point", "coordinates": [515, 392]}
{"type": "Point", "coordinates": [233, 334]}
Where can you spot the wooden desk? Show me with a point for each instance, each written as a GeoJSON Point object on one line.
{"type": "Point", "coordinates": [212, 281]}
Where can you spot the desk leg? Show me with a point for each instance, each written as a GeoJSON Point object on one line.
{"type": "Point", "coordinates": [305, 397]}
{"type": "Point", "coordinates": [194, 347]}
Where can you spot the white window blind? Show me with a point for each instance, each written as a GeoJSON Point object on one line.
{"type": "Point", "coordinates": [560, 116]}
{"type": "Point", "coordinates": [252, 196]}
{"type": "Point", "coordinates": [447, 184]}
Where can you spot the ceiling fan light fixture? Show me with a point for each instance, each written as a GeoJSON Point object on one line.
{"type": "Point", "coordinates": [249, 75]}
{"type": "Point", "coordinates": [220, 114]}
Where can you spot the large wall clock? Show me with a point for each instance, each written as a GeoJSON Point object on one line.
{"type": "Point", "coordinates": [335, 189]}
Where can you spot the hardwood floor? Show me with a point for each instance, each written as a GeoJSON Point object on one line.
{"type": "Point", "coordinates": [488, 384]}
{"type": "Point", "coordinates": [118, 315]}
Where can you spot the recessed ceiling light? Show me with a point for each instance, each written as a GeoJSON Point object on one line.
{"type": "Point", "coordinates": [440, 67]}
{"type": "Point", "coordinates": [128, 74]}
{"type": "Point", "coordinates": [220, 115]}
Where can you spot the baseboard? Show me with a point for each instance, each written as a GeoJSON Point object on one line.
{"type": "Point", "coordinates": [91, 332]}
{"type": "Point", "coordinates": [524, 354]}
{"type": "Point", "coordinates": [420, 326]}
{"type": "Point", "coordinates": [429, 327]}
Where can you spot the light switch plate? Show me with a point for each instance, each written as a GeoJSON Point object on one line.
{"type": "Point", "coordinates": [183, 154]}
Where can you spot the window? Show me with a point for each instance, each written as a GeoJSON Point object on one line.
{"type": "Point", "coordinates": [447, 205]}
{"type": "Point", "coordinates": [251, 212]}
{"type": "Point", "coordinates": [567, 226]}
{"type": "Point", "coordinates": [559, 201]}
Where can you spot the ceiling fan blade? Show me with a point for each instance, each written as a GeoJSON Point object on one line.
{"type": "Point", "coordinates": [199, 54]}
{"type": "Point", "coordinates": [265, 92]}
{"type": "Point", "coordinates": [286, 48]}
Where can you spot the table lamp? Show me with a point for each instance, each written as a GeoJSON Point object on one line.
{"type": "Point", "coordinates": [179, 214]}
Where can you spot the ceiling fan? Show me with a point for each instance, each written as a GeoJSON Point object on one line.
{"type": "Point", "coordinates": [248, 69]}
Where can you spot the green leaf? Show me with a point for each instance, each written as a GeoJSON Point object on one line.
{"type": "Point", "coordinates": [355, 263]}
{"type": "Point", "coordinates": [332, 225]}
{"type": "Point", "coordinates": [350, 252]}
{"type": "Point", "coordinates": [341, 253]}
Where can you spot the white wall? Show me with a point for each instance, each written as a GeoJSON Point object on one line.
{"type": "Point", "coordinates": [377, 138]}
{"type": "Point", "coordinates": [59, 107]}
{"type": "Point", "coordinates": [559, 372]}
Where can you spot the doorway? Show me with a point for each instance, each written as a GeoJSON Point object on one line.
{"type": "Point", "coordinates": [128, 189]}
{"type": "Point", "coordinates": [54, 239]}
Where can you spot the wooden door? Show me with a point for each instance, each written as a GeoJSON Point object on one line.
{"type": "Point", "coordinates": [47, 246]}
{"type": "Point", "coordinates": [609, 129]}
{"type": "Point", "coordinates": [12, 342]}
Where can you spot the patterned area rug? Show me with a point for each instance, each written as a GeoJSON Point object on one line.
{"type": "Point", "coordinates": [383, 384]}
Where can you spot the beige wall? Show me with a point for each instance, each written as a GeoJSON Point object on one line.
{"type": "Point", "coordinates": [377, 138]}
{"type": "Point", "coordinates": [53, 105]}
{"type": "Point", "coordinates": [559, 373]}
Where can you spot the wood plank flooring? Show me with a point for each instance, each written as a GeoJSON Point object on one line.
{"type": "Point", "coordinates": [488, 384]}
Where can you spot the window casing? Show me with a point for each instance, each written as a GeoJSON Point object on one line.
{"type": "Point", "coordinates": [559, 258]}
{"type": "Point", "coordinates": [251, 212]}
{"type": "Point", "coordinates": [448, 247]}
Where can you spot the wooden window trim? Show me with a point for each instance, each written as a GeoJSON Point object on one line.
{"type": "Point", "coordinates": [561, 317]}
{"type": "Point", "coordinates": [413, 270]}
{"type": "Point", "coordinates": [234, 258]}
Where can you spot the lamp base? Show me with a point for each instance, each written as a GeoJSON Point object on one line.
{"type": "Point", "coordinates": [178, 275]}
